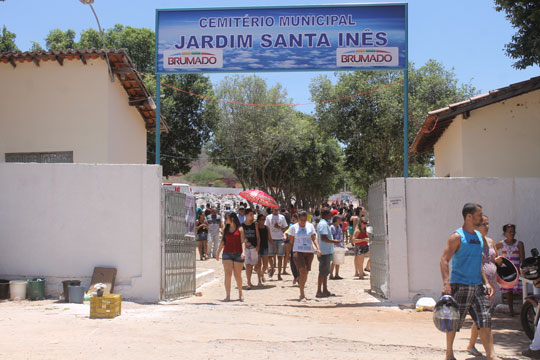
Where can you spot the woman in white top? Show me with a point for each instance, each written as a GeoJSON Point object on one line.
{"type": "Point", "coordinates": [304, 241]}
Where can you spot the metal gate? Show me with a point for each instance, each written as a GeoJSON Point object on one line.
{"type": "Point", "coordinates": [379, 244]}
{"type": "Point", "coordinates": [178, 272]}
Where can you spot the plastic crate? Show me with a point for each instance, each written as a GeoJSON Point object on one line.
{"type": "Point", "coordinates": [106, 307]}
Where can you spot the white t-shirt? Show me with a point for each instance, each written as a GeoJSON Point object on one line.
{"type": "Point", "coordinates": [302, 237]}
{"type": "Point", "coordinates": [271, 220]}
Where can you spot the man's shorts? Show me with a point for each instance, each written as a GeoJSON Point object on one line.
{"type": "Point", "coordinates": [361, 250]}
{"type": "Point", "coordinates": [472, 299]}
{"type": "Point", "coordinates": [252, 257]}
{"type": "Point", "coordinates": [325, 261]}
{"type": "Point", "coordinates": [280, 247]}
{"type": "Point", "coordinates": [303, 260]}
{"type": "Point", "coordinates": [234, 257]}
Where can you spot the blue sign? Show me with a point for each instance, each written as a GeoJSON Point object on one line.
{"type": "Point", "coordinates": [340, 37]}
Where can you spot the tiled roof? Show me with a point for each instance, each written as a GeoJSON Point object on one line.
{"type": "Point", "coordinates": [121, 66]}
{"type": "Point", "coordinates": [437, 121]}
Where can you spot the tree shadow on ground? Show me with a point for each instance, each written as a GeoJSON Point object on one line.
{"type": "Point", "coordinates": [310, 304]}
{"type": "Point", "coordinates": [255, 288]}
{"type": "Point", "coordinates": [507, 334]}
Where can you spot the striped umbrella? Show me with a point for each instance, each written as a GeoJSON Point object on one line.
{"type": "Point", "coordinates": [259, 197]}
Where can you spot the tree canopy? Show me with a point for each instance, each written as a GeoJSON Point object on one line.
{"type": "Point", "coordinates": [525, 18]}
{"type": "Point", "coordinates": [276, 149]}
{"type": "Point", "coordinates": [370, 126]}
{"type": "Point", "coordinates": [7, 41]}
{"type": "Point", "coordinates": [191, 120]}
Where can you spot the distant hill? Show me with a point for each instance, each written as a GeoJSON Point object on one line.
{"type": "Point", "coordinates": [204, 173]}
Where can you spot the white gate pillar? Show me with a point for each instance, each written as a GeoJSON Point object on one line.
{"type": "Point", "coordinates": [398, 264]}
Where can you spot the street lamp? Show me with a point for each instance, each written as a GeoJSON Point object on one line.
{"type": "Point", "coordinates": [90, 2]}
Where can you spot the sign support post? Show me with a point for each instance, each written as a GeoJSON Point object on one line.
{"type": "Point", "coordinates": [158, 117]}
{"type": "Point", "coordinates": [405, 123]}
{"type": "Point", "coordinates": [406, 99]}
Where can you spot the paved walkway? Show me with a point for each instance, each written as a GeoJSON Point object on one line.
{"type": "Point", "coordinates": [270, 324]}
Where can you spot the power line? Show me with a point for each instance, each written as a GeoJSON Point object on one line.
{"type": "Point", "coordinates": [199, 158]}
{"type": "Point", "coordinates": [273, 105]}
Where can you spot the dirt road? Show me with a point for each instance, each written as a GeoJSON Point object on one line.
{"type": "Point", "coordinates": [270, 324]}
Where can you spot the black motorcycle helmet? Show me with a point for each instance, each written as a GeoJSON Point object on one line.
{"type": "Point", "coordinates": [530, 268]}
{"type": "Point", "coordinates": [446, 314]}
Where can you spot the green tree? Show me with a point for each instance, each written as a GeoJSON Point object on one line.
{"type": "Point", "coordinates": [60, 40]}
{"type": "Point", "coordinates": [371, 126]}
{"type": "Point", "coordinates": [7, 41]}
{"type": "Point", "coordinates": [275, 149]}
{"type": "Point", "coordinates": [191, 120]}
{"type": "Point", "coordinates": [310, 170]}
{"type": "Point", "coordinates": [36, 46]}
{"type": "Point", "coordinates": [525, 18]}
{"type": "Point", "coordinates": [250, 136]}
{"type": "Point", "coordinates": [139, 43]}
{"type": "Point", "coordinates": [203, 178]}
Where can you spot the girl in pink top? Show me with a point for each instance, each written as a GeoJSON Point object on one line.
{"type": "Point", "coordinates": [514, 251]}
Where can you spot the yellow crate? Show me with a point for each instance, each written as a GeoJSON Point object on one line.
{"type": "Point", "coordinates": [106, 307]}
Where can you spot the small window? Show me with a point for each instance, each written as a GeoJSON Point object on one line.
{"type": "Point", "coordinates": [41, 157]}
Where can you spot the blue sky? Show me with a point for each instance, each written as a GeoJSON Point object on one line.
{"type": "Point", "coordinates": [466, 35]}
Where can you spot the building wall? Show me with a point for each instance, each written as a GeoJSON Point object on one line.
{"type": "Point", "coordinates": [62, 220]}
{"type": "Point", "coordinates": [431, 211]}
{"type": "Point", "coordinates": [449, 151]}
{"type": "Point", "coordinates": [55, 108]}
{"type": "Point", "coordinates": [502, 139]}
{"type": "Point", "coordinates": [74, 107]}
{"type": "Point", "coordinates": [498, 140]}
{"type": "Point", "coordinates": [127, 129]}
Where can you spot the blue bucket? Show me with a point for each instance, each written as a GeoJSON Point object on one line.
{"type": "Point", "coordinates": [76, 294]}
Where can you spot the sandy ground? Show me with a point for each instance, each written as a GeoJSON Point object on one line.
{"type": "Point", "coordinates": [270, 324]}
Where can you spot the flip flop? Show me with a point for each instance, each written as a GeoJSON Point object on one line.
{"type": "Point", "coordinates": [474, 352]}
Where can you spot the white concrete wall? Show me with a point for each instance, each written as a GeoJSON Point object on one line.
{"type": "Point", "coordinates": [432, 212]}
{"type": "Point", "coordinates": [498, 140]}
{"type": "Point", "coordinates": [502, 139]}
{"type": "Point", "coordinates": [398, 268]}
{"type": "Point", "coordinates": [448, 151]}
{"type": "Point", "coordinates": [62, 220]}
{"type": "Point", "coordinates": [127, 130]}
{"type": "Point", "coordinates": [73, 107]}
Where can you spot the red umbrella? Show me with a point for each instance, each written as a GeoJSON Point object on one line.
{"type": "Point", "coordinates": [259, 197]}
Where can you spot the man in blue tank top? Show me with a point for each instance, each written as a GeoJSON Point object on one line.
{"type": "Point", "coordinates": [467, 282]}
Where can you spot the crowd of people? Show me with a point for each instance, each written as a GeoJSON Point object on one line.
{"type": "Point", "coordinates": [268, 241]}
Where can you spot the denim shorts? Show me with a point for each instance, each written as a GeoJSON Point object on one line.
{"type": "Point", "coordinates": [235, 257]}
{"type": "Point", "coordinates": [361, 250]}
{"type": "Point", "coordinates": [280, 247]}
